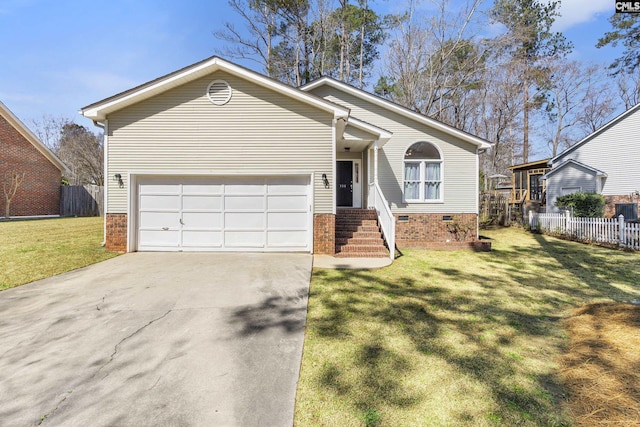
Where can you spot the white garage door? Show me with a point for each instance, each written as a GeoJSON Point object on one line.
{"type": "Point", "coordinates": [224, 214]}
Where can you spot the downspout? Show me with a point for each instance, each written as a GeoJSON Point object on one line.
{"type": "Point", "coordinates": [105, 137]}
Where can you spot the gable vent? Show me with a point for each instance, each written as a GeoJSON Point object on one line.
{"type": "Point", "coordinates": [219, 92]}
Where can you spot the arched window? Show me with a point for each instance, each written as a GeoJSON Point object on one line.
{"type": "Point", "coordinates": [422, 173]}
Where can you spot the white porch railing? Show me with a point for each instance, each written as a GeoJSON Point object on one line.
{"type": "Point", "coordinates": [387, 221]}
{"type": "Point", "coordinates": [613, 231]}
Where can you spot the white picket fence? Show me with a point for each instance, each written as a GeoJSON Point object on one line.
{"type": "Point", "coordinates": [613, 231]}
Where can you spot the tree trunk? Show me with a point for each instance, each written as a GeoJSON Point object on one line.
{"type": "Point", "coordinates": [343, 38]}
{"type": "Point", "coordinates": [362, 29]}
{"type": "Point", "coordinates": [525, 125]}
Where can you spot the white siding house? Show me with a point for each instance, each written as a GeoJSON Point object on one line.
{"type": "Point", "coordinates": [606, 162]}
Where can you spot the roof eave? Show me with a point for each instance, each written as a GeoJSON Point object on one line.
{"type": "Point", "coordinates": [383, 135]}
{"type": "Point", "coordinates": [479, 142]}
{"type": "Point", "coordinates": [598, 172]}
{"type": "Point", "coordinates": [597, 132]}
{"type": "Point", "coordinates": [32, 138]}
{"type": "Point", "coordinates": [98, 111]}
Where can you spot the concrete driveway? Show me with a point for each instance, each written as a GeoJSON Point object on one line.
{"type": "Point", "coordinates": [156, 339]}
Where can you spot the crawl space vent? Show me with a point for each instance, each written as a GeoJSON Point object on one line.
{"type": "Point", "coordinates": [219, 92]}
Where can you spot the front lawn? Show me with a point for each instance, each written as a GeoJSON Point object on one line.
{"type": "Point", "coordinates": [33, 250]}
{"type": "Point", "coordinates": [454, 338]}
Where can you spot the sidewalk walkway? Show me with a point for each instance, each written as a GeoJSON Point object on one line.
{"type": "Point", "coordinates": [330, 262]}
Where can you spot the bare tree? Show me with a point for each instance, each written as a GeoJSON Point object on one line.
{"type": "Point", "coordinates": [433, 62]}
{"type": "Point", "coordinates": [570, 86]}
{"type": "Point", "coordinates": [79, 148]}
{"type": "Point", "coordinates": [82, 151]}
{"type": "Point", "coordinates": [628, 85]}
{"type": "Point", "coordinates": [10, 185]}
{"type": "Point", "coordinates": [598, 107]}
{"type": "Point", "coordinates": [47, 128]}
{"type": "Point", "coordinates": [297, 41]}
{"type": "Point", "coordinates": [261, 23]}
{"type": "Point", "coordinates": [499, 117]}
{"type": "Point", "coordinates": [529, 38]}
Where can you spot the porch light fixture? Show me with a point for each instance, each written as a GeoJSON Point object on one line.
{"type": "Point", "coordinates": [118, 178]}
{"type": "Point", "coordinates": [325, 180]}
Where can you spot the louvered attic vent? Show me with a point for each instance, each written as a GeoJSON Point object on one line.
{"type": "Point", "coordinates": [219, 92]}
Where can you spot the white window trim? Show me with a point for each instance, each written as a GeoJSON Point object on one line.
{"type": "Point", "coordinates": [422, 175]}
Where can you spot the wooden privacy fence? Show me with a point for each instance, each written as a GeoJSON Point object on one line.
{"type": "Point", "coordinates": [614, 231]}
{"type": "Point", "coordinates": [81, 200]}
{"type": "Point", "coordinates": [494, 208]}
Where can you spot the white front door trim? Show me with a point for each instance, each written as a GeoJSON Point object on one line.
{"type": "Point", "coordinates": [357, 183]}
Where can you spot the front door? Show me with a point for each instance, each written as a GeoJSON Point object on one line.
{"type": "Point", "coordinates": [344, 192]}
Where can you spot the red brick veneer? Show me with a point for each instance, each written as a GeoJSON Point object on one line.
{"type": "Point", "coordinates": [431, 230]}
{"type": "Point", "coordinates": [324, 234]}
{"type": "Point", "coordinates": [116, 232]}
{"type": "Point", "coordinates": [39, 193]}
{"type": "Point", "coordinates": [610, 207]}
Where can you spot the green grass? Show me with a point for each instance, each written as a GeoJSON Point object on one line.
{"type": "Point", "coordinates": [453, 338]}
{"type": "Point", "coordinates": [33, 250]}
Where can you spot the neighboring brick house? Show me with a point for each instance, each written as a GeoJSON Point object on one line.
{"type": "Point", "coordinates": [23, 152]}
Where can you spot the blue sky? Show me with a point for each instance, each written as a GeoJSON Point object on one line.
{"type": "Point", "coordinates": [58, 56]}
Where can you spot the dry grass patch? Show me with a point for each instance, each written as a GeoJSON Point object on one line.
{"type": "Point", "coordinates": [601, 369]}
{"type": "Point", "coordinates": [453, 338]}
{"type": "Point", "coordinates": [33, 250]}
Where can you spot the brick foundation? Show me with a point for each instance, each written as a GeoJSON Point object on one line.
{"type": "Point", "coordinates": [39, 192]}
{"type": "Point", "coordinates": [116, 232]}
{"type": "Point", "coordinates": [478, 245]}
{"type": "Point", "coordinates": [610, 207]}
{"type": "Point", "coordinates": [324, 234]}
{"type": "Point", "coordinates": [431, 231]}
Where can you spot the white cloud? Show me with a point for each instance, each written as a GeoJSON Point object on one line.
{"type": "Point", "coordinates": [574, 12]}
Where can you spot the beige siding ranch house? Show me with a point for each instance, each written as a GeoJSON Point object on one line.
{"type": "Point", "coordinates": [215, 157]}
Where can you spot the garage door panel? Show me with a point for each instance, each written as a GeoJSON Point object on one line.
{"type": "Point", "coordinates": [242, 239]}
{"type": "Point", "coordinates": [202, 202]}
{"type": "Point", "coordinates": [244, 203]}
{"type": "Point", "coordinates": [160, 188]}
{"type": "Point", "coordinates": [202, 220]}
{"type": "Point", "coordinates": [159, 219]}
{"type": "Point", "coordinates": [244, 220]}
{"type": "Point", "coordinates": [248, 188]}
{"type": "Point", "coordinates": [160, 238]}
{"type": "Point", "coordinates": [202, 188]}
{"type": "Point", "coordinates": [287, 238]}
{"type": "Point", "coordinates": [287, 220]}
{"type": "Point", "coordinates": [292, 202]}
{"type": "Point", "coordinates": [224, 213]}
{"type": "Point", "coordinates": [202, 238]}
{"type": "Point", "coordinates": [160, 202]}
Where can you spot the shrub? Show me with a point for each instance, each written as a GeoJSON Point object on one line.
{"type": "Point", "coordinates": [584, 205]}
